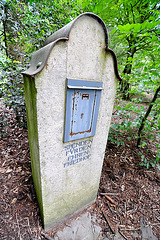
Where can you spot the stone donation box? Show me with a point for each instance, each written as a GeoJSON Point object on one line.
{"type": "Point", "coordinates": [69, 92]}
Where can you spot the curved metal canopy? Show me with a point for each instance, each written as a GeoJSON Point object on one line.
{"type": "Point", "coordinates": [40, 57]}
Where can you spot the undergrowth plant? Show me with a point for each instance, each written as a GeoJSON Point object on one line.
{"type": "Point", "coordinates": [130, 117]}
{"type": "Point", "coordinates": [12, 89]}
{"type": "Point", "coordinates": [24, 26]}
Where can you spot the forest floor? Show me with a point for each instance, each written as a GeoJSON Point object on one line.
{"type": "Point", "coordinates": [128, 193]}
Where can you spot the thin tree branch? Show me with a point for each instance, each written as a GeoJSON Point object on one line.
{"type": "Point", "coordinates": [4, 31]}
{"type": "Point", "coordinates": [146, 115]}
{"type": "Point", "coordinates": [144, 46]}
{"type": "Point", "coordinates": [132, 13]}
{"type": "Point", "coordinates": [137, 3]}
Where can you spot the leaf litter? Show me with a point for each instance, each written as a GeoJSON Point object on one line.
{"type": "Point", "coordinates": [127, 192]}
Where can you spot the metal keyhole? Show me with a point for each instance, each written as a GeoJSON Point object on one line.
{"type": "Point", "coordinates": [85, 96]}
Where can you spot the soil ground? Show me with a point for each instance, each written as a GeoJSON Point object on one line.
{"type": "Point", "coordinates": [128, 193]}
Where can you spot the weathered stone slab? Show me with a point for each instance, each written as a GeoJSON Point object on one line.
{"type": "Point", "coordinates": [83, 228]}
{"type": "Point", "coordinates": [66, 175]}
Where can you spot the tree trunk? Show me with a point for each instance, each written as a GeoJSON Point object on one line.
{"type": "Point", "coordinates": [127, 70]}
{"type": "Point", "coordinates": [4, 31]}
{"type": "Point", "coordinates": [146, 115]}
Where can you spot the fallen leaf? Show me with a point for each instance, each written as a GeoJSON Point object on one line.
{"type": "Point", "coordinates": [110, 199]}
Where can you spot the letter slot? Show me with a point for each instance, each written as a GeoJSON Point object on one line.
{"type": "Point", "coordinates": [82, 105]}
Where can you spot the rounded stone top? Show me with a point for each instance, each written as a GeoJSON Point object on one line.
{"type": "Point", "coordinates": [40, 57]}
{"type": "Point", "coordinates": [64, 32]}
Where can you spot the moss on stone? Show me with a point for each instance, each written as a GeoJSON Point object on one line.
{"type": "Point", "coordinates": [30, 100]}
{"type": "Point", "coordinates": [68, 205]}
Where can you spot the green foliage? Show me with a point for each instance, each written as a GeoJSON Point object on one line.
{"type": "Point", "coordinates": [24, 27]}
{"type": "Point", "coordinates": [147, 163]}
{"type": "Point", "coordinates": [28, 24]}
{"type": "Point", "coordinates": [134, 36]}
{"type": "Point", "coordinates": [134, 30]}
{"type": "Point", "coordinates": [131, 114]}
{"type": "Point", "coordinates": [12, 89]}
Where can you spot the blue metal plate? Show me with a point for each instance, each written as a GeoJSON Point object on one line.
{"type": "Point", "coordinates": [82, 104]}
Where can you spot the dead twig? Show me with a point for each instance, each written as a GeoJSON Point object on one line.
{"type": "Point", "coordinates": [119, 215]}
{"type": "Point", "coordinates": [123, 235]}
{"type": "Point", "coordinates": [3, 219]}
{"type": "Point", "coordinates": [109, 223]}
{"type": "Point", "coordinates": [113, 212]}
{"type": "Point", "coordinates": [14, 223]}
{"type": "Point", "coordinates": [137, 229]}
{"type": "Point", "coordinates": [125, 207]}
{"type": "Point", "coordinates": [109, 194]}
{"type": "Point", "coordinates": [46, 236]}
{"type": "Point", "coordinates": [29, 231]}
{"type": "Point", "coordinates": [154, 224]}
{"type": "Point", "coordinates": [129, 229]}
{"type": "Point", "coordinates": [19, 233]}
{"type": "Point", "coordinates": [116, 212]}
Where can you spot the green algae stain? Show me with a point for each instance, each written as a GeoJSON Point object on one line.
{"type": "Point", "coordinates": [30, 100]}
{"type": "Point", "coordinates": [65, 205]}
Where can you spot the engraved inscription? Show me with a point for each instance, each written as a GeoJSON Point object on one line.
{"type": "Point", "coordinates": [77, 152]}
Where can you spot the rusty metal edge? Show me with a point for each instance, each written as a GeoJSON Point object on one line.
{"type": "Point", "coordinates": [42, 54]}
{"type": "Point", "coordinates": [115, 63]}
{"type": "Point", "coordinates": [63, 35]}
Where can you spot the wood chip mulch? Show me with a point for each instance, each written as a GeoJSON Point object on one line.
{"type": "Point", "coordinates": [127, 192]}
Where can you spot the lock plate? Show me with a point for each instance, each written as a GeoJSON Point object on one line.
{"type": "Point", "coordinates": [82, 104]}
